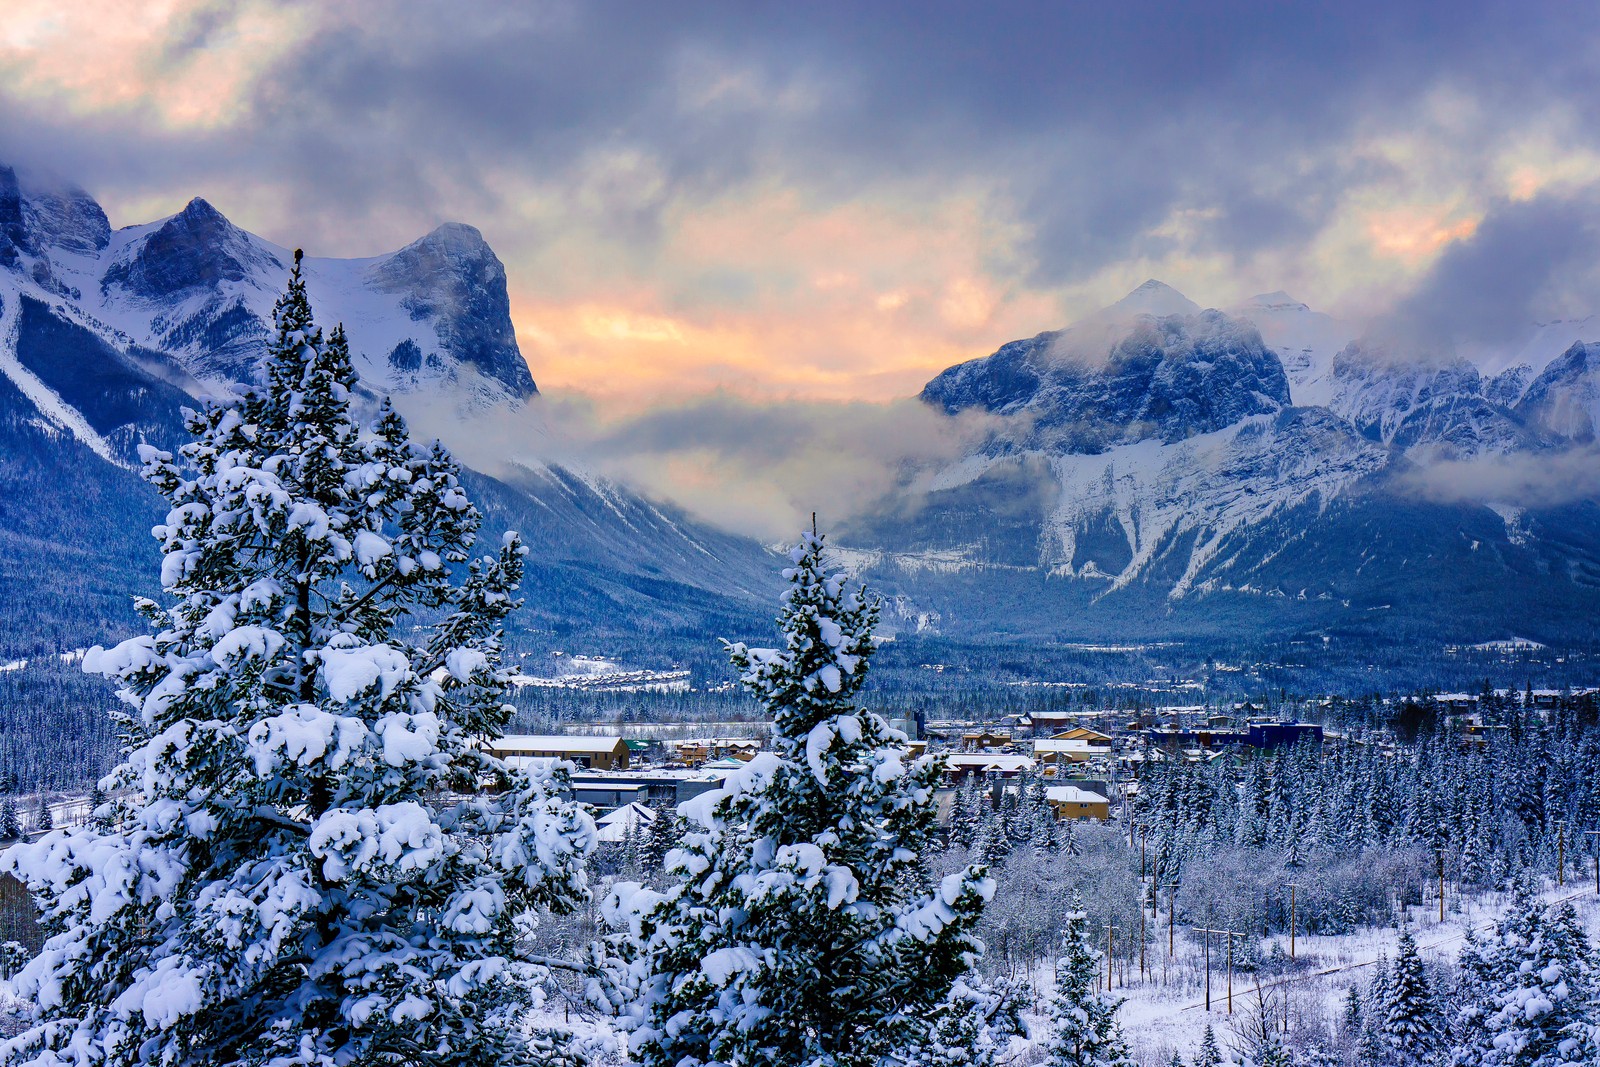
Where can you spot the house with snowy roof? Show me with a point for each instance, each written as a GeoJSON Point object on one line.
{"type": "Point", "coordinates": [601, 752]}
{"type": "Point", "coordinates": [1076, 802]}
{"type": "Point", "coordinates": [958, 765]}
{"type": "Point", "coordinates": [1077, 745]}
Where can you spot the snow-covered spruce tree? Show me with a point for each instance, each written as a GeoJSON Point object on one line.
{"type": "Point", "coordinates": [305, 869]}
{"type": "Point", "coordinates": [1210, 1054]}
{"type": "Point", "coordinates": [1084, 1031]}
{"type": "Point", "coordinates": [797, 934]}
{"type": "Point", "coordinates": [1412, 1027]}
{"type": "Point", "coordinates": [1540, 1013]}
{"type": "Point", "coordinates": [1373, 1047]}
{"type": "Point", "coordinates": [974, 1026]}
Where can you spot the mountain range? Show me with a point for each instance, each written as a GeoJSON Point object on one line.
{"type": "Point", "coordinates": [1157, 471]}
{"type": "Point", "coordinates": [106, 335]}
{"type": "Point", "coordinates": [1164, 470]}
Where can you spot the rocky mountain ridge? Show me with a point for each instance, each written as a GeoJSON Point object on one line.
{"type": "Point", "coordinates": [105, 335]}
{"type": "Point", "coordinates": [1172, 464]}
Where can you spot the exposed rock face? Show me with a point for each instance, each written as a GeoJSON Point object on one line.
{"type": "Point", "coordinates": [1565, 399]}
{"type": "Point", "coordinates": [1408, 404]}
{"type": "Point", "coordinates": [195, 249]}
{"type": "Point", "coordinates": [453, 277]}
{"type": "Point", "coordinates": [1168, 379]}
{"type": "Point", "coordinates": [36, 217]}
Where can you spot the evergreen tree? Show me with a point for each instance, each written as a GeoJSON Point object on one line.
{"type": "Point", "coordinates": [10, 825]}
{"type": "Point", "coordinates": [307, 869]}
{"type": "Point", "coordinates": [661, 836]}
{"type": "Point", "coordinates": [1084, 1028]}
{"type": "Point", "coordinates": [1411, 1025]}
{"type": "Point", "coordinates": [1374, 1047]}
{"type": "Point", "coordinates": [1045, 838]}
{"type": "Point", "coordinates": [1067, 837]}
{"type": "Point", "coordinates": [1210, 1054]}
{"type": "Point", "coordinates": [100, 812]}
{"type": "Point", "coordinates": [966, 813]}
{"type": "Point", "coordinates": [1539, 1011]}
{"type": "Point", "coordinates": [1274, 1054]}
{"type": "Point", "coordinates": [1350, 1015]}
{"type": "Point", "coordinates": [798, 932]}
{"type": "Point", "coordinates": [974, 1025]}
{"type": "Point", "coordinates": [43, 820]}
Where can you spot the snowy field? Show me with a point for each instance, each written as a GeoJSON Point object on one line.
{"type": "Point", "coordinates": [1166, 1010]}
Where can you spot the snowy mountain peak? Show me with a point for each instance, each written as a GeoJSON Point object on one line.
{"type": "Point", "coordinates": [38, 213]}
{"type": "Point", "coordinates": [1277, 300]}
{"type": "Point", "coordinates": [1152, 298]}
{"type": "Point", "coordinates": [199, 290]}
{"type": "Point", "coordinates": [198, 248]}
{"type": "Point", "coordinates": [453, 236]}
{"type": "Point", "coordinates": [1565, 398]}
{"type": "Point", "coordinates": [1167, 378]}
{"type": "Point", "coordinates": [453, 276]}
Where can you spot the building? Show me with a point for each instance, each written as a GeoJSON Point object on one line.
{"type": "Point", "coordinates": [617, 826]}
{"type": "Point", "coordinates": [703, 749]}
{"type": "Point", "coordinates": [958, 765]}
{"type": "Point", "coordinates": [1075, 802]}
{"type": "Point", "coordinates": [984, 740]}
{"type": "Point", "coordinates": [656, 786]}
{"type": "Point", "coordinates": [1078, 745]}
{"type": "Point", "coordinates": [602, 753]}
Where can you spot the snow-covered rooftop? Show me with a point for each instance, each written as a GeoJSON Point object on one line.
{"type": "Point", "coordinates": [1071, 794]}
{"type": "Point", "coordinates": [555, 743]}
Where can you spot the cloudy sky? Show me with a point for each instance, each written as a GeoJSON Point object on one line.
{"type": "Point", "coordinates": [834, 201]}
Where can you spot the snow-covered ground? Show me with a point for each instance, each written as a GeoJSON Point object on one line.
{"type": "Point", "coordinates": [1166, 1011]}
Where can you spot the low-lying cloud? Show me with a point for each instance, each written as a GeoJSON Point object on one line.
{"type": "Point", "coordinates": [752, 467]}
{"type": "Point", "coordinates": [1518, 479]}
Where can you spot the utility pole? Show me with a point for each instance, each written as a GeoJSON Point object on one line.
{"type": "Point", "coordinates": [1230, 935]}
{"type": "Point", "coordinates": [1292, 886]}
{"type": "Point", "coordinates": [1595, 833]}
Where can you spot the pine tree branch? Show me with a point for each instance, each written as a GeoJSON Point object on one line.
{"type": "Point", "coordinates": [277, 818]}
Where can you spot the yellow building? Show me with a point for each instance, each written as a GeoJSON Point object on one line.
{"type": "Point", "coordinates": [1071, 802]}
